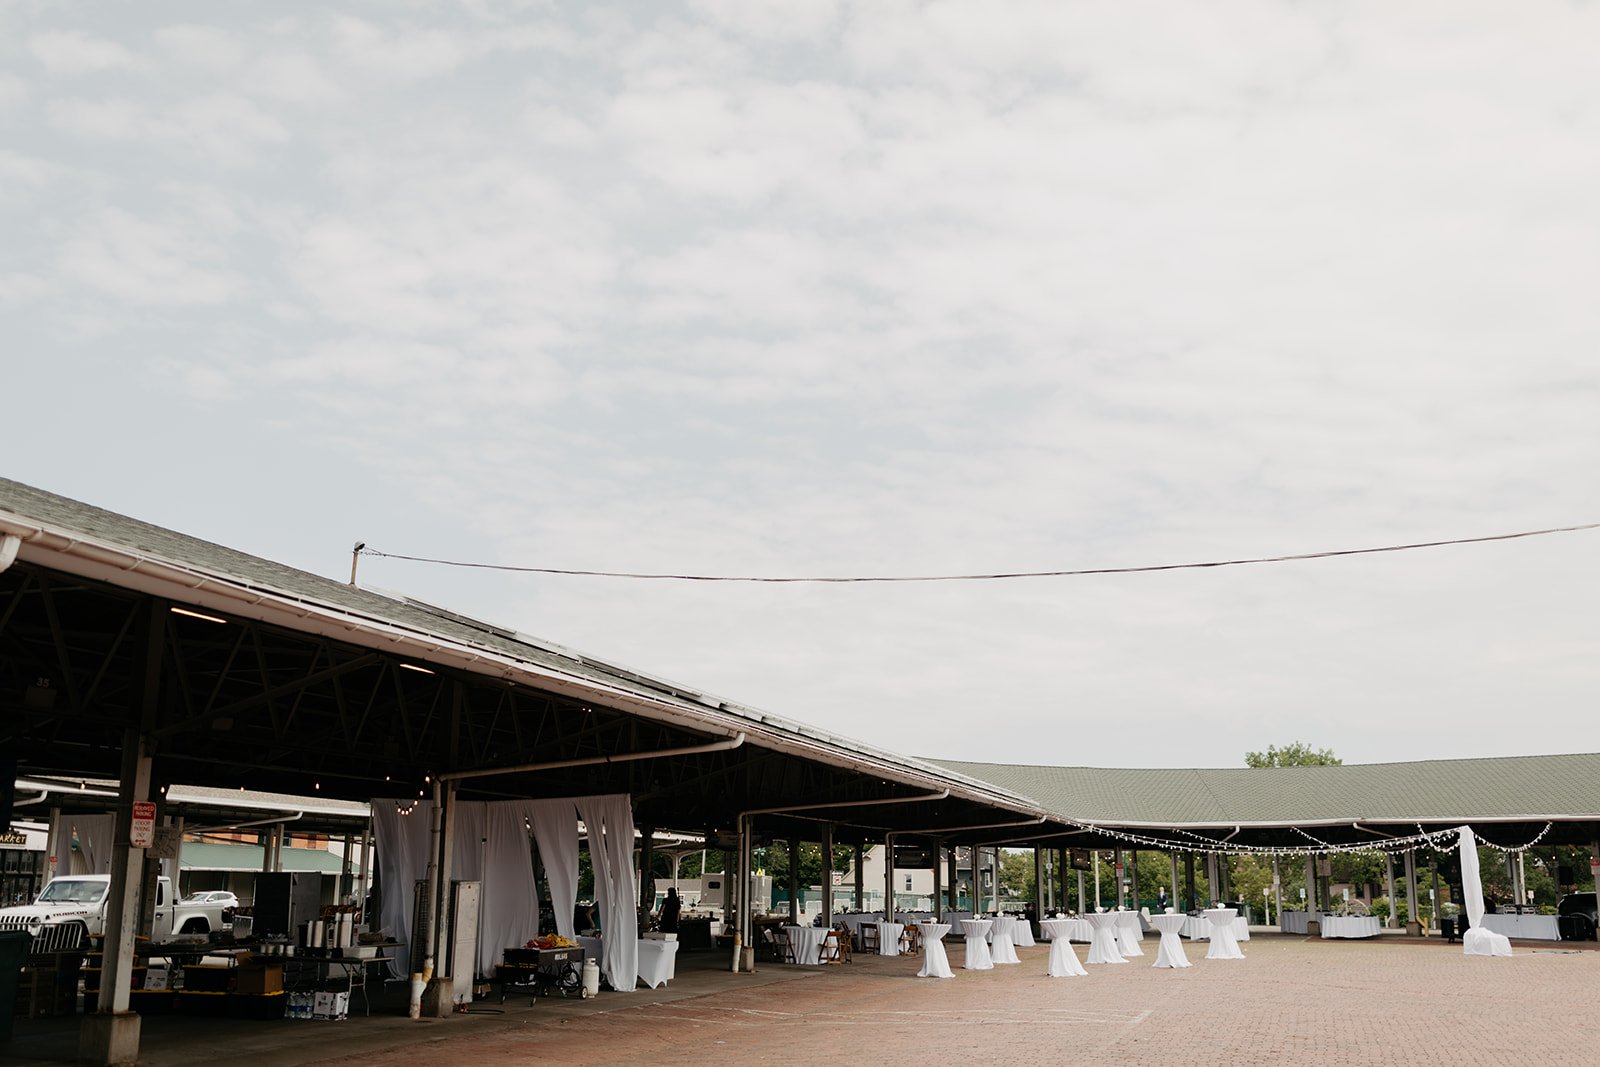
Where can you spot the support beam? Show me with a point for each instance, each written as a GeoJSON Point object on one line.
{"type": "Point", "coordinates": [1133, 876]}
{"type": "Point", "coordinates": [1413, 921]}
{"type": "Point", "coordinates": [1388, 877]}
{"type": "Point", "coordinates": [1177, 897]}
{"type": "Point", "coordinates": [826, 846]}
{"type": "Point", "coordinates": [1313, 913]}
{"type": "Point", "coordinates": [888, 878]}
{"type": "Point", "coordinates": [1039, 902]}
{"type": "Point", "coordinates": [110, 1035]}
{"type": "Point", "coordinates": [861, 880]}
{"type": "Point", "coordinates": [938, 893]}
{"type": "Point", "coordinates": [647, 884]}
{"type": "Point", "coordinates": [1188, 882]}
{"type": "Point", "coordinates": [1117, 870]}
{"type": "Point", "coordinates": [794, 881]}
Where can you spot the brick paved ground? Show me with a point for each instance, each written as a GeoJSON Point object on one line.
{"type": "Point", "coordinates": [1291, 1001]}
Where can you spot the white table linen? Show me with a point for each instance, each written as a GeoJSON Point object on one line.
{"type": "Point", "coordinates": [1129, 933]}
{"type": "Point", "coordinates": [658, 961]}
{"type": "Point", "coordinates": [1022, 934]}
{"type": "Point", "coordinates": [1350, 926]}
{"type": "Point", "coordinates": [977, 933]}
{"type": "Point", "coordinates": [1103, 948]}
{"type": "Point", "coordinates": [889, 938]}
{"type": "Point", "coordinates": [1063, 960]}
{"type": "Point", "coordinates": [1198, 928]}
{"type": "Point", "coordinates": [1169, 953]}
{"type": "Point", "coordinates": [1294, 922]}
{"type": "Point", "coordinates": [1073, 929]}
{"type": "Point", "coordinates": [807, 944]}
{"type": "Point", "coordinates": [1001, 947]}
{"type": "Point", "coordinates": [935, 963]}
{"type": "Point", "coordinates": [1531, 927]}
{"type": "Point", "coordinates": [1224, 946]}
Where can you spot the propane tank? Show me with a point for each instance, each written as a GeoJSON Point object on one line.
{"type": "Point", "coordinates": [591, 979]}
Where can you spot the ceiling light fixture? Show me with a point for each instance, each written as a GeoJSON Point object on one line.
{"type": "Point", "coordinates": [198, 615]}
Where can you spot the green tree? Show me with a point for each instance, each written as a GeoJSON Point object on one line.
{"type": "Point", "coordinates": [1297, 754]}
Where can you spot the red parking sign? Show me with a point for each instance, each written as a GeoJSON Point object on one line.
{"type": "Point", "coordinates": [144, 824]}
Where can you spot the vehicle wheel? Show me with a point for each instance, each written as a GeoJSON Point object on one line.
{"type": "Point", "coordinates": [196, 926]}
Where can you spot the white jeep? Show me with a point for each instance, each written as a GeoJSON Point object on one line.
{"type": "Point", "coordinates": [72, 909]}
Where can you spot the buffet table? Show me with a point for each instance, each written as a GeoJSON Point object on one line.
{"type": "Point", "coordinates": [1350, 926]}
{"type": "Point", "coordinates": [1170, 952]}
{"type": "Point", "coordinates": [1294, 922]}
{"type": "Point", "coordinates": [1531, 927]}
{"type": "Point", "coordinates": [1063, 961]}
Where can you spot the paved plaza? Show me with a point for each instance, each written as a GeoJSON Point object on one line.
{"type": "Point", "coordinates": [1291, 1001]}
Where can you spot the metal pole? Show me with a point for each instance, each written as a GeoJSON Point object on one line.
{"type": "Point", "coordinates": [1038, 887]}
{"type": "Point", "coordinates": [1413, 913]}
{"type": "Point", "coordinates": [861, 880]}
{"type": "Point", "coordinates": [888, 877]}
{"type": "Point", "coordinates": [1173, 856]}
{"type": "Point", "coordinates": [1277, 891]}
{"type": "Point", "coordinates": [1133, 876]}
{"type": "Point", "coordinates": [938, 889]}
{"type": "Point", "coordinates": [1097, 880]}
{"type": "Point", "coordinates": [1080, 893]}
{"type": "Point", "coordinates": [1117, 875]}
{"type": "Point", "coordinates": [1433, 866]}
{"type": "Point", "coordinates": [794, 881]}
{"type": "Point", "coordinates": [826, 845]}
{"type": "Point", "coordinates": [1388, 875]}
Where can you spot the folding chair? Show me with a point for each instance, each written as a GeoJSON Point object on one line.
{"type": "Point", "coordinates": [869, 937]}
{"type": "Point", "coordinates": [911, 940]}
{"type": "Point", "coordinates": [831, 950]}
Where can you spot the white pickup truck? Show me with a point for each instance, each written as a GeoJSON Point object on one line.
{"type": "Point", "coordinates": [72, 909]}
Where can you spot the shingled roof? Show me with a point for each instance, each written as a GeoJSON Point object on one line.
{"type": "Point", "coordinates": [1502, 789]}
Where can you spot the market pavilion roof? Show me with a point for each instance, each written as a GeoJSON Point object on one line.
{"type": "Point", "coordinates": [1506, 789]}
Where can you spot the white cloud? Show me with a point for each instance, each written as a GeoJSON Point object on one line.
{"type": "Point", "coordinates": [72, 53]}
{"type": "Point", "coordinates": [142, 262]}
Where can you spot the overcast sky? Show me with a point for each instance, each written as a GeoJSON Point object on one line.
{"type": "Point", "coordinates": [795, 287]}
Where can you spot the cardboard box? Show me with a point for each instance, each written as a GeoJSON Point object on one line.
{"type": "Point", "coordinates": [331, 1006]}
{"type": "Point", "coordinates": [260, 977]}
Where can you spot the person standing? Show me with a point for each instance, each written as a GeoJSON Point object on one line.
{"type": "Point", "coordinates": [669, 912]}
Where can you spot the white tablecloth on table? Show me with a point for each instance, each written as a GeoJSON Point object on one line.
{"type": "Point", "coordinates": [935, 964]}
{"type": "Point", "coordinates": [1170, 952]}
{"type": "Point", "coordinates": [1103, 947]}
{"type": "Point", "coordinates": [1129, 933]}
{"type": "Point", "coordinates": [807, 944]}
{"type": "Point", "coordinates": [1224, 946]}
{"type": "Point", "coordinates": [658, 961]}
{"type": "Point", "coordinates": [912, 918]}
{"type": "Point", "coordinates": [1350, 926]}
{"type": "Point", "coordinates": [1532, 927]}
{"type": "Point", "coordinates": [977, 932]}
{"type": "Point", "coordinates": [1294, 922]}
{"type": "Point", "coordinates": [1001, 947]}
{"type": "Point", "coordinates": [854, 919]}
{"type": "Point", "coordinates": [1063, 961]}
{"type": "Point", "coordinates": [1073, 929]}
{"type": "Point", "coordinates": [1022, 934]}
{"type": "Point", "coordinates": [889, 938]}
{"type": "Point", "coordinates": [1198, 928]}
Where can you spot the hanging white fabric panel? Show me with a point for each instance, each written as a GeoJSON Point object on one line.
{"type": "Point", "coordinates": [609, 820]}
{"type": "Point", "coordinates": [555, 829]}
{"type": "Point", "coordinates": [94, 833]}
{"type": "Point", "coordinates": [401, 843]}
{"type": "Point", "coordinates": [508, 907]}
{"type": "Point", "coordinates": [1477, 941]}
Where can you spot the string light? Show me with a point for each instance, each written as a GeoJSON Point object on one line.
{"type": "Point", "coordinates": [1438, 839]}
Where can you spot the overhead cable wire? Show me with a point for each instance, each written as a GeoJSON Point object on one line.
{"type": "Point", "coordinates": [363, 550]}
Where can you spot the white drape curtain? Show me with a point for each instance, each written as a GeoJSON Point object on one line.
{"type": "Point", "coordinates": [492, 846]}
{"type": "Point", "coordinates": [1477, 941]}
{"type": "Point", "coordinates": [555, 828]}
{"type": "Point", "coordinates": [94, 844]}
{"type": "Point", "coordinates": [509, 906]}
{"type": "Point", "coordinates": [401, 843]}
{"type": "Point", "coordinates": [609, 820]}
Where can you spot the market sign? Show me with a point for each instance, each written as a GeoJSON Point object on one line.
{"type": "Point", "coordinates": [143, 833]}
{"type": "Point", "coordinates": [13, 837]}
